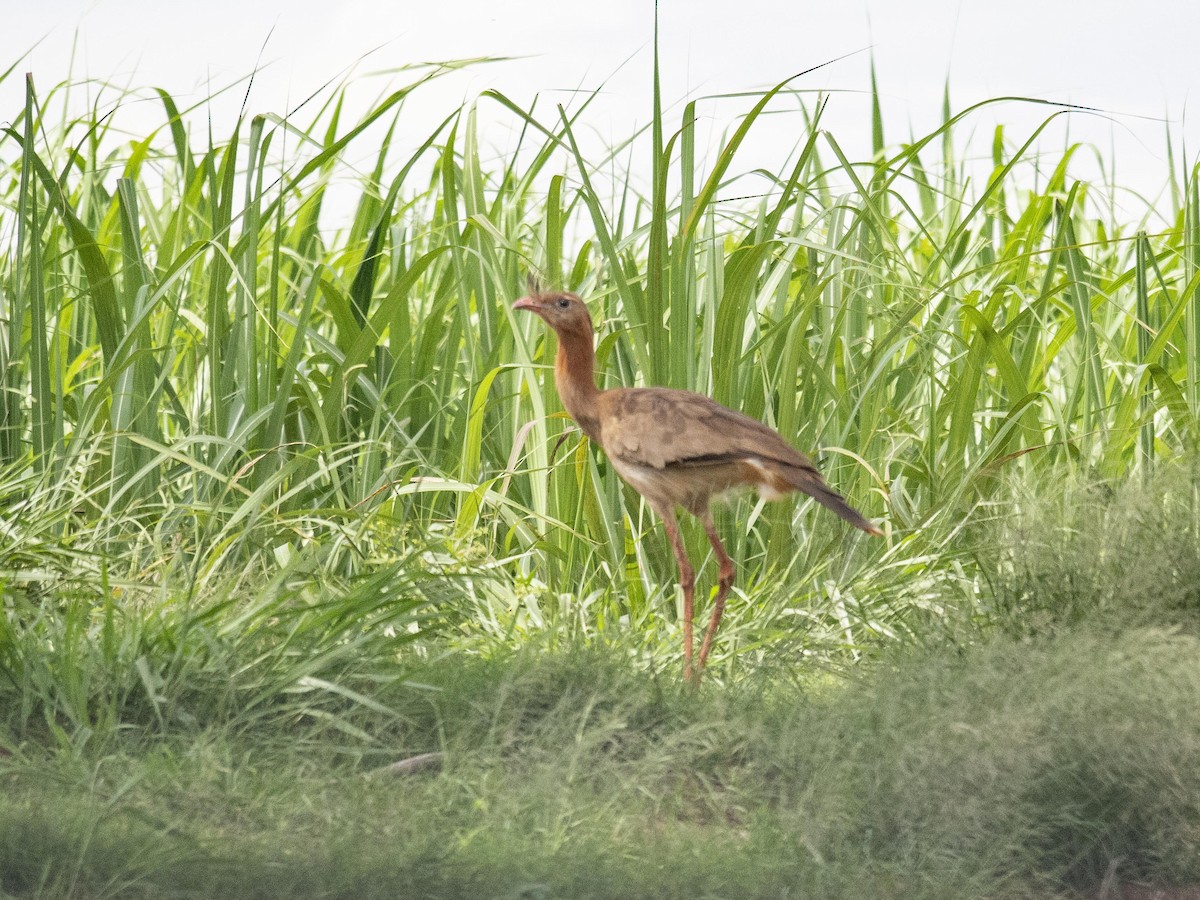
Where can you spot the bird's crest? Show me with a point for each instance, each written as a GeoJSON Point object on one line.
{"type": "Point", "coordinates": [533, 284]}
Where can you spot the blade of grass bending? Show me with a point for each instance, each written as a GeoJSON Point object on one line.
{"type": "Point", "coordinates": [725, 157]}
{"type": "Point", "coordinates": [31, 287]}
{"type": "Point", "coordinates": [1144, 327]}
{"type": "Point", "coordinates": [101, 289]}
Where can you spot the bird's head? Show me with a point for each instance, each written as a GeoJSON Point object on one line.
{"type": "Point", "coordinates": [562, 311]}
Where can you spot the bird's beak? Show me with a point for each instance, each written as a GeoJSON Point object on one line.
{"type": "Point", "coordinates": [526, 303]}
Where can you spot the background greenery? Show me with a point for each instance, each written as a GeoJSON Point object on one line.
{"type": "Point", "coordinates": [281, 504]}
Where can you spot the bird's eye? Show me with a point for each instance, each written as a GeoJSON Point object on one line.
{"type": "Point", "coordinates": [563, 302]}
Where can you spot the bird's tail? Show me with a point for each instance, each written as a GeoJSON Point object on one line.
{"type": "Point", "coordinates": [810, 482]}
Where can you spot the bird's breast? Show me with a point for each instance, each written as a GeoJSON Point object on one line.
{"type": "Point", "coordinates": [693, 486]}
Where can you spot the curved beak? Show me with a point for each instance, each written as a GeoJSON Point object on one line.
{"type": "Point", "coordinates": [526, 303]}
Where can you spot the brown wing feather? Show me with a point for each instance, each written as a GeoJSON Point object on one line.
{"type": "Point", "coordinates": [662, 427]}
{"type": "Point", "coordinates": [690, 447]}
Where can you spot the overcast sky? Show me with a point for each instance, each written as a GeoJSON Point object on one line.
{"type": "Point", "coordinates": [1136, 62]}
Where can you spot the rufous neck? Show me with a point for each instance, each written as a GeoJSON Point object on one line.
{"type": "Point", "coordinates": [575, 378]}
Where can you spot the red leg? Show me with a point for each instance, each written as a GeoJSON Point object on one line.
{"type": "Point", "coordinates": [724, 583]}
{"type": "Point", "coordinates": [687, 581]}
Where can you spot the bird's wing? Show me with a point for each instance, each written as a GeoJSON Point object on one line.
{"type": "Point", "coordinates": [661, 427]}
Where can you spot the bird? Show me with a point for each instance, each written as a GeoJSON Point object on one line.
{"type": "Point", "coordinates": [677, 449]}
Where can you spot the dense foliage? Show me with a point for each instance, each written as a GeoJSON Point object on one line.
{"type": "Point", "coordinates": [272, 444]}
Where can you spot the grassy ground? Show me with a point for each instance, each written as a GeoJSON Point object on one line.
{"type": "Point", "coordinates": [1023, 769]}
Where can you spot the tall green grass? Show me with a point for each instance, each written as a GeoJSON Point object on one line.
{"type": "Point", "coordinates": [205, 379]}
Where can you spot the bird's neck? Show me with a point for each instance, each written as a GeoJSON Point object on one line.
{"type": "Point", "coordinates": [575, 378]}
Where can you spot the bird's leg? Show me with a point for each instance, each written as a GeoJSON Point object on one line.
{"type": "Point", "coordinates": [724, 583]}
{"type": "Point", "coordinates": [687, 581]}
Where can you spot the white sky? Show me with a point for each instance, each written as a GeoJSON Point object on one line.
{"type": "Point", "coordinates": [1137, 62]}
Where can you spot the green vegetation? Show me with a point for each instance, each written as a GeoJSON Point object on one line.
{"type": "Point", "coordinates": [1023, 770]}
{"type": "Point", "coordinates": [282, 502]}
